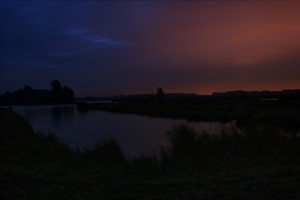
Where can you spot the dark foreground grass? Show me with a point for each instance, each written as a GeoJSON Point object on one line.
{"type": "Point", "coordinates": [252, 164]}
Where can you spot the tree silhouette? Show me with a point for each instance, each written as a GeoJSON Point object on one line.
{"type": "Point", "coordinates": [68, 93]}
{"type": "Point", "coordinates": [29, 96]}
{"type": "Point", "coordinates": [55, 87]}
{"type": "Point", "coordinates": [160, 94]}
{"type": "Point", "coordinates": [28, 89]}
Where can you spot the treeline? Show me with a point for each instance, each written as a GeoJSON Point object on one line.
{"type": "Point", "coordinates": [28, 96]}
{"type": "Point", "coordinates": [160, 95]}
{"type": "Point", "coordinates": [260, 94]}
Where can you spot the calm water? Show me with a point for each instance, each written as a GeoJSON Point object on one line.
{"type": "Point", "coordinates": [136, 134]}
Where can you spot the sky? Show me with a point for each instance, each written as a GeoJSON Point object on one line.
{"type": "Point", "coordinates": [103, 48]}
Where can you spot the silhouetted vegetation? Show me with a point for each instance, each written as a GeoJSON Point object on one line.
{"type": "Point", "coordinates": [261, 94]}
{"type": "Point", "coordinates": [160, 94]}
{"type": "Point", "coordinates": [250, 163]}
{"type": "Point", "coordinates": [29, 96]}
{"type": "Point", "coordinates": [247, 144]}
{"type": "Point", "coordinates": [239, 95]}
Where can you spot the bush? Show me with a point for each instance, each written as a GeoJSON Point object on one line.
{"type": "Point", "coordinates": [107, 152]}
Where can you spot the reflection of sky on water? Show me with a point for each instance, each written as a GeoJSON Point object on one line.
{"type": "Point", "coordinates": [136, 134]}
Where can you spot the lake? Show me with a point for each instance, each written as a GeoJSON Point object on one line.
{"type": "Point", "coordinates": [136, 134]}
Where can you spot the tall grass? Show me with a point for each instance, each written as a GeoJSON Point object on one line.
{"type": "Point", "coordinates": [108, 151]}
{"type": "Point", "coordinates": [233, 150]}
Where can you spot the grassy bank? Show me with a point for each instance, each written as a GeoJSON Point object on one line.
{"type": "Point", "coordinates": [253, 164]}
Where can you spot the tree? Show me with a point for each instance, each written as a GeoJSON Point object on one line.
{"type": "Point", "coordinates": [160, 94]}
{"type": "Point", "coordinates": [56, 87]}
{"type": "Point", "coordinates": [28, 89]}
{"type": "Point", "coordinates": [68, 93]}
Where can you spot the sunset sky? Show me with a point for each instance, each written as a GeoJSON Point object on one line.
{"type": "Point", "coordinates": [128, 47]}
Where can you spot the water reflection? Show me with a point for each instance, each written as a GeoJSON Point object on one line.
{"type": "Point", "coordinates": [61, 114]}
{"type": "Point", "coordinates": [136, 134]}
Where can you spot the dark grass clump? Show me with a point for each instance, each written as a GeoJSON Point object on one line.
{"type": "Point", "coordinates": [20, 144]}
{"type": "Point", "coordinates": [257, 145]}
{"type": "Point", "coordinates": [106, 152]}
